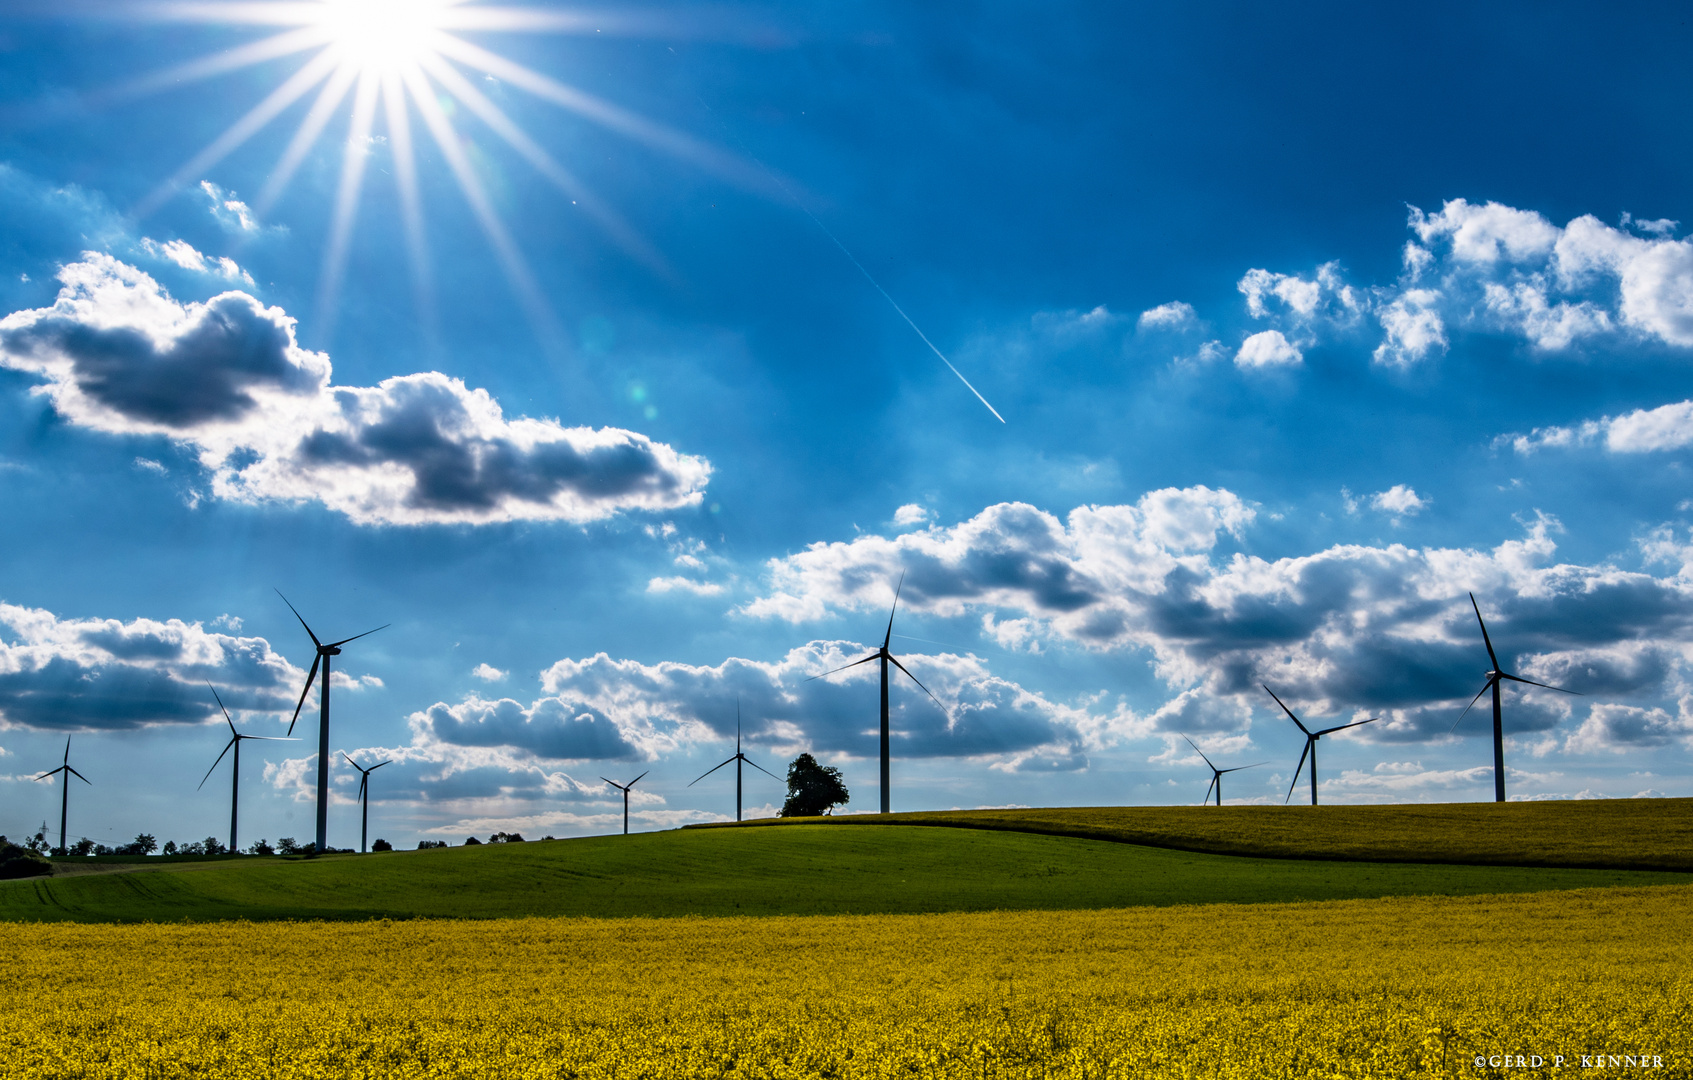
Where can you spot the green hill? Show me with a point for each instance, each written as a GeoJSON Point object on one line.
{"type": "Point", "coordinates": [1618, 834]}
{"type": "Point", "coordinates": [796, 869]}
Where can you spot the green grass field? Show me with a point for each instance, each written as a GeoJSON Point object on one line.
{"type": "Point", "coordinates": [795, 869]}
{"type": "Point", "coordinates": [1620, 834]}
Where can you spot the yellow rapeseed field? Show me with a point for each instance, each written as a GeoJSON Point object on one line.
{"type": "Point", "coordinates": [1386, 988]}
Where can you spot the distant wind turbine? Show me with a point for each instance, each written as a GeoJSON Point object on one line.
{"type": "Point", "coordinates": [1217, 774]}
{"type": "Point", "coordinates": [324, 652]}
{"type": "Point", "coordinates": [737, 759]}
{"type": "Point", "coordinates": [625, 787]}
{"type": "Point", "coordinates": [364, 796]}
{"type": "Point", "coordinates": [1311, 738]}
{"type": "Point", "coordinates": [887, 658]}
{"type": "Point", "coordinates": [1494, 678]}
{"type": "Point", "coordinates": [235, 738]}
{"type": "Point", "coordinates": [65, 795]}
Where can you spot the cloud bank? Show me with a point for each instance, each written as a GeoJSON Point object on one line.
{"type": "Point", "coordinates": [119, 355]}
{"type": "Point", "coordinates": [102, 674]}
{"type": "Point", "coordinates": [1352, 627]}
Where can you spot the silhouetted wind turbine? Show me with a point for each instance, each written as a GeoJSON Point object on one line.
{"type": "Point", "coordinates": [625, 787]}
{"type": "Point", "coordinates": [65, 795]}
{"type": "Point", "coordinates": [887, 658]}
{"type": "Point", "coordinates": [1311, 738]}
{"type": "Point", "coordinates": [235, 738]}
{"type": "Point", "coordinates": [1217, 774]}
{"type": "Point", "coordinates": [737, 759]}
{"type": "Point", "coordinates": [1494, 677]}
{"type": "Point", "coordinates": [324, 652]}
{"type": "Point", "coordinates": [364, 795]}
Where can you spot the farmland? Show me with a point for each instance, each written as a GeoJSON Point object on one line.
{"type": "Point", "coordinates": [1638, 834]}
{"type": "Point", "coordinates": [1410, 987]}
{"type": "Point", "coordinates": [808, 869]}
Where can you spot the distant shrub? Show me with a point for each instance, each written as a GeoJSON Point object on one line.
{"type": "Point", "coordinates": [99, 849]}
{"type": "Point", "coordinates": [430, 845]}
{"type": "Point", "coordinates": [143, 844]}
{"type": "Point", "coordinates": [505, 838]}
{"type": "Point", "coordinates": [471, 841]}
{"type": "Point", "coordinates": [85, 846]}
{"type": "Point", "coordinates": [261, 847]}
{"type": "Point", "coordinates": [17, 862]}
{"type": "Point", "coordinates": [213, 846]}
{"type": "Point", "coordinates": [170, 847]}
{"type": "Point", "coordinates": [288, 846]}
{"type": "Point", "coordinates": [381, 845]}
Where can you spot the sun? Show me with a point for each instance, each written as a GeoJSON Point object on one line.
{"type": "Point", "coordinates": [382, 35]}
{"type": "Point", "coordinates": [402, 73]}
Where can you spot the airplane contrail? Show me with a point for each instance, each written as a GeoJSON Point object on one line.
{"type": "Point", "coordinates": [894, 304]}
{"type": "Point", "coordinates": [854, 260]}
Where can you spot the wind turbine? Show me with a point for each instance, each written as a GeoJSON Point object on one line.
{"type": "Point", "coordinates": [235, 738]}
{"type": "Point", "coordinates": [1311, 738]}
{"type": "Point", "coordinates": [737, 759]}
{"type": "Point", "coordinates": [1494, 677]}
{"type": "Point", "coordinates": [1216, 773]}
{"type": "Point", "coordinates": [324, 652]}
{"type": "Point", "coordinates": [887, 658]}
{"type": "Point", "coordinates": [65, 796]}
{"type": "Point", "coordinates": [364, 795]}
{"type": "Point", "coordinates": [625, 787]}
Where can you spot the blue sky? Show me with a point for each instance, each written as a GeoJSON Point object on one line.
{"type": "Point", "coordinates": [1304, 324]}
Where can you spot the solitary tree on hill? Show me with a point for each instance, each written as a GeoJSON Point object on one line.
{"type": "Point", "coordinates": [813, 789]}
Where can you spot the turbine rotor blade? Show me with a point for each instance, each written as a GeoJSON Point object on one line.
{"type": "Point", "coordinates": [1546, 686]}
{"type": "Point", "coordinates": [1208, 788]}
{"type": "Point", "coordinates": [889, 635]}
{"type": "Point", "coordinates": [52, 772]}
{"type": "Point", "coordinates": [216, 763]}
{"type": "Point", "coordinates": [1485, 639]}
{"type": "Point", "coordinates": [1343, 727]}
{"type": "Point", "coordinates": [760, 768]}
{"type": "Point", "coordinates": [351, 762]}
{"type": "Point", "coordinates": [355, 637]}
{"type": "Point", "coordinates": [1238, 768]}
{"type": "Point", "coordinates": [1201, 753]}
{"type": "Point", "coordinates": [843, 667]}
{"type": "Point", "coordinates": [379, 765]}
{"type": "Point", "coordinates": [79, 776]}
{"type": "Point", "coordinates": [226, 718]}
{"type": "Point", "coordinates": [1286, 710]}
{"type": "Point", "coordinates": [302, 619]}
{"type": "Point", "coordinates": [310, 678]}
{"type": "Point", "coordinates": [707, 773]}
{"type": "Point", "coordinates": [919, 682]}
{"type": "Point", "coordinates": [1296, 770]}
{"type": "Point", "coordinates": [1485, 687]}
{"type": "Point", "coordinates": [637, 779]}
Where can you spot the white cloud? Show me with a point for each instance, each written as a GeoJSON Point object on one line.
{"type": "Point", "coordinates": [229, 211]}
{"type": "Point", "coordinates": [489, 673]}
{"type": "Point", "coordinates": [74, 674]}
{"type": "Point", "coordinates": [1620, 728]}
{"type": "Point", "coordinates": [184, 255]}
{"type": "Point", "coordinates": [1413, 326]}
{"type": "Point", "coordinates": [673, 584]}
{"type": "Point", "coordinates": [1267, 349]}
{"type": "Point", "coordinates": [911, 514]}
{"type": "Point", "coordinates": [227, 378]}
{"type": "Point", "coordinates": [1398, 500]}
{"type": "Point", "coordinates": [1667, 427]}
{"type": "Point", "coordinates": [1486, 234]}
{"type": "Point", "coordinates": [1172, 316]}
